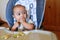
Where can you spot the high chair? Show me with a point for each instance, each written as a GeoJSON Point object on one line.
{"type": "Point", "coordinates": [36, 11]}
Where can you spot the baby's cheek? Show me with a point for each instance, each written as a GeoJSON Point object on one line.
{"type": "Point", "coordinates": [17, 19]}
{"type": "Point", "coordinates": [24, 16]}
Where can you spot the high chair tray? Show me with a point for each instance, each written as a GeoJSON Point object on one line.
{"type": "Point", "coordinates": [32, 35]}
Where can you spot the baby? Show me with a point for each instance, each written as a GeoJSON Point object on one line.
{"type": "Point", "coordinates": [20, 14]}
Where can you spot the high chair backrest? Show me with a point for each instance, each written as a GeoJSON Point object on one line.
{"type": "Point", "coordinates": [36, 10]}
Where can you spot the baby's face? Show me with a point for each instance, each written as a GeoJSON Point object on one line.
{"type": "Point", "coordinates": [19, 12]}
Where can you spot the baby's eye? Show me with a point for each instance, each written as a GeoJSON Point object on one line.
{"type": "Point", "coordinates": [18, 13]}
{"type": "Point", "coordinates": [24, 13]}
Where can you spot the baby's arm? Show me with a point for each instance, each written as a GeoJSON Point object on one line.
{"type": "Point", "coordinates": [28, 26]}
{"type": "Point", "coordinates": [15, 26]}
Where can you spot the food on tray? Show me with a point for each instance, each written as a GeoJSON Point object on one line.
{"type": "Point", "coordinates": [15, 35]}
{"type": "Point", "coordinates": [18, 35]}
{"type": "Point", "coordinates": [5, 36]}
{"type": "Point", "coordinates": [21, 34]}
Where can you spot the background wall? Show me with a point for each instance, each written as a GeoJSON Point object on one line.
{"type": "Point", "coordinates": [3, 4]}
{"type": "Point", "coordinates": [52, 17]}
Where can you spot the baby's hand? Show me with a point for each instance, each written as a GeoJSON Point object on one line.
{"type": "Point", "coordinates": [15, 26]}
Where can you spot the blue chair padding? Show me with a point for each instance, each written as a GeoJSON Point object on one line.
{"type": "Point", "coordinates": [9, 12]}
{"type": "Point", "coordinates": [40, 11]}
